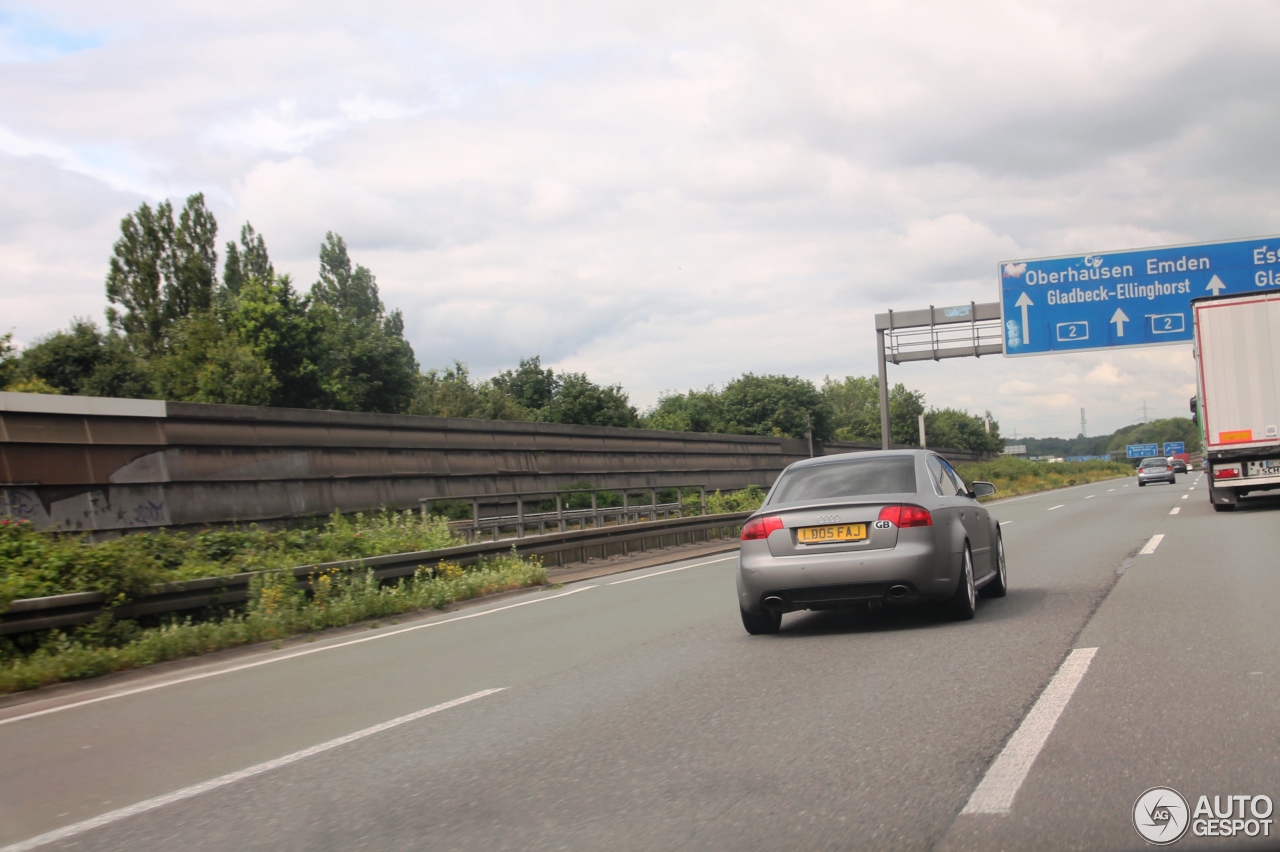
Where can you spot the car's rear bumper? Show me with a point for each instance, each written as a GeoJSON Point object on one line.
{"type": "Point", "coordinates": [910, 571]}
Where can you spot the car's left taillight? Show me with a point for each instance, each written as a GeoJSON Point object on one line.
{"type": "Point", "coordinates": [758, 528]}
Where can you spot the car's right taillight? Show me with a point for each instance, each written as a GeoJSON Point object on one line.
{"type": "Point", "coordinates": [758, 528]}
{"type": "Point", "coordinates": [906, 515]}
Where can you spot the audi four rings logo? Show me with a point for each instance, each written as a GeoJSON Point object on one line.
{"type": "Point", "coordinates": [828, 519]}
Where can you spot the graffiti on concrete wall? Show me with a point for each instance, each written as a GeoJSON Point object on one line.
{"type": "Point", "coordinates": [113, 509]}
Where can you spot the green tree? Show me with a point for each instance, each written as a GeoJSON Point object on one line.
{"type": "Point", "coordinates": [855, 407]}
{"type": "Point", "coordinates": [364, 362]}
{"type": "Point", "coordinates": [1157, 432]}
{"type": "Point", "coordinates": [581, 401]}
{"type": "Point", "coordinates": [954, 429]}
{"type": "Point", "coordinates": [161, 272]}
{"type": "Point", "coordinates": [695, 411]}
{"type": "Point", "coordinates": [8, 359]}
{"type": "Point", "coordinates": [207, 362]}
{"type": "Point", "coordinates": [193, 261]}
{"type": "Point", "coordinates": [249, 261]}
{"type": "Point", "coordinates": [82, 360]}
{"type": "Point", "coordinates": [275, 322]}
{"type": "Point", "coordinates": [451, 393]}
{"type": "Point", "coordinates": [530, 385]}
{"type": "Point", "coordinates": [136, 276]}
{"type": "Point", "coordinates": [775, 405]}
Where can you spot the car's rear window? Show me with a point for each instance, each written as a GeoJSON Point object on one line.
{"type": "Point", "coordinates": [853, 478]}
{"type": "Point", "coordinates": [1155, 463]}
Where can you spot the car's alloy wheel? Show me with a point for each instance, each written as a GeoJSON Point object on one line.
{"type": "Point", "coordinates": [964, 603]}
{"type": "Point", "coordinates": [998, 587]}
{"type": "Point", "coordinates": [768, 621]}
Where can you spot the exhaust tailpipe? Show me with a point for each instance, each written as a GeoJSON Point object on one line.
{"type": "Point", "coordinates": [774, 602]}
{"type": "Point", "coordinates": [899, 591]}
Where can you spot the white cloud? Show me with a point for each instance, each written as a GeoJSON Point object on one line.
{"type": "Point", "coordinates": [665, 195]}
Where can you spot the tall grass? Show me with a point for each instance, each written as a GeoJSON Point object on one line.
{"type": "Point", "coordinates": [1012, 477]}
{"type": "Point", "coordinates": [278, 608]}
{"type": "Point", "coordinates": [34, 563]}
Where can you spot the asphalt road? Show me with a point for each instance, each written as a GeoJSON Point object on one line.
{"type": "Point", "coordinates": [633, 712]}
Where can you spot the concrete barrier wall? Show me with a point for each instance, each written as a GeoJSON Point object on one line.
{"type": "Point", "coordinates": [83, 463]}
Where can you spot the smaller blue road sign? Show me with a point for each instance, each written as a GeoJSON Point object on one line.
{"type": "Point", "coordinates": [1174, 447]}
{"type": "Point", "coordinates": [1141, 451]}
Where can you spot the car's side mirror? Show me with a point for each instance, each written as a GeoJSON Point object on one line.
{"type": "Point", "coordinates": [982, 489]}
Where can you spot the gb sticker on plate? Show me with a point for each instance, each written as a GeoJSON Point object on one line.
{"type": "Point", "coordinates": [883, 525]}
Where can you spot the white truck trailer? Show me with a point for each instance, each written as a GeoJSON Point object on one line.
{"type": "Point", "coordinates": [1237, 350]}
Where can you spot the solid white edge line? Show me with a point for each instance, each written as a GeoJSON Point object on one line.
{"type": "Point", "coordinates": [670, 570]}
{"type": "Point", "coordinates": [995, 793]}
{"type": "Point", "coordinates": [1152, 545]}
{"type": "Point", "coordinates": [282, 658]}
{"type": "Point", "coordinates": [232, 777]}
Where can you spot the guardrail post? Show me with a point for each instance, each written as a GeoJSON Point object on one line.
{"type": "Point", "coordinates": [626, 508]}
{"type": "Point", "coordinates": [560, 513]}
{"type": "Point", "coordinates": [653, 504]}
{"type": "Point", "coordinates": [520, 516]}
{"type": "Point", "coordinates": [595, 513]}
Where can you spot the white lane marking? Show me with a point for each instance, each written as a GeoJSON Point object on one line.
{"type": "Point", "coordinates": [1059, 506]}
{"type": "Point", "coordinates": [995, 793]}
{"type": "Point", "coordinates": [1152, 545]}
{"type": "Point", "coordinates": [1091, 496]}
{"type": "Point", "coordinates": [232, 777]}
{"type": "Point", "coordinates": [1005, 523]}
{"type": "Point", "coordinates": [1175, 510]}
{"type": "Point", "coordinates": [1109, 490]}
{"type": "Point", "coordinates": [283, 657]}
{"type": "Point", "coordinates": [1185, 496]}
{"type": "Point", "coordinates": [669, 570]}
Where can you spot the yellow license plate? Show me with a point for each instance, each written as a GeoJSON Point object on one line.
{"type": "Point", "coordinates": [835, 532]}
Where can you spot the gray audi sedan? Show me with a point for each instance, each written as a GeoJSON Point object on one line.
{"type": "Point", "coordinates": [866, 529]}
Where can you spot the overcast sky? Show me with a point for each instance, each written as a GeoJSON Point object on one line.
{"type": "Point", "coordinates": [661, 194]}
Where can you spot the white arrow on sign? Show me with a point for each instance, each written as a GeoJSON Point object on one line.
{"type": "Point", "coordinates": [1022, 302]}
{"type": "Point", "coordinates": [1215, 284]}
{"type": "Point", "coordinates": [1119, 319]}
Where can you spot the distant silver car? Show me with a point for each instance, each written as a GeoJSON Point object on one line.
{"type": "Point", "coordinates": [865, 529]}
{"type": "Point", "coordinates": [1156, 470]}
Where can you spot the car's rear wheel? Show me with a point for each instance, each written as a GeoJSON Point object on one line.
{"type": "Point", "coordinates": [1141, 483]}
{"type": "Point", "coordinates": [964, 603]}
{"type": "Point", "coordinates": [768, 621]}
{"type": "Point", "coordinates": [998, 587]}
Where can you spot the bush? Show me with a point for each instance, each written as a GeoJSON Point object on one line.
{"type": "Point", "coordinates": [1018, 476]}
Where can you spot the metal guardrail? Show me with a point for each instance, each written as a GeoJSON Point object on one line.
{"type": "Point", "coordinates": [32, 614]}
{"type": "Point", "coordinates": [520, 520]}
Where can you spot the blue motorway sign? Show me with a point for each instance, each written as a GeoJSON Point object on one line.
{"type": "Point", "coordinates": [1141, 451]}
{"type": "Point", "coordinates": [1174, 447]}
{"type": "Point", "coordinates": [1137, 297]}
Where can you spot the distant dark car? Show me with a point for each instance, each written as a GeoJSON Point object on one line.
{"type": "Point", "coordinates": [1156, 470]}
{"type": "Point", "coordinates": [866, 529]}
{"type": "Point", "coordinates": [1179, 466]}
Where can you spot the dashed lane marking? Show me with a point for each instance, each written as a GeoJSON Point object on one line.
{"type": "Point", "coordinates": [1059, 506]}
{"type": "Point", "coordinates": [1175, 510]}
{"type": "Point", "coordinates": [1152, 545]}
{"type": "Point", "coordinates": [233, 777]}
{"type": "Point", "coordinates": [995, 793]}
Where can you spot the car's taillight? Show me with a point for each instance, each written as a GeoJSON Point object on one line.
{"type": "Point", "coordinates": [1226, 472]}
{"type": "Point", "coordinates": [906, 515]}
{"type": "Point", "coordinates": [758, 528]}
